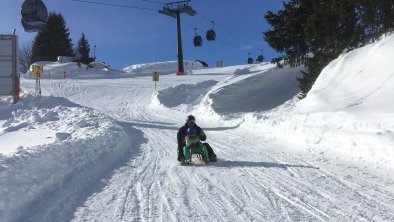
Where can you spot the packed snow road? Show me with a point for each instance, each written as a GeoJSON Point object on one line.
{"type": "Point", "coordinates": [256, 178]}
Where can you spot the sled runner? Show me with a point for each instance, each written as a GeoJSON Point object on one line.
{"type": "Point", "coordinates": [196, 156]}
{"type": "Point", "coordinates": [194, 162]}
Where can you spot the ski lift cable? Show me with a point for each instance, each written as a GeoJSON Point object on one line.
{"type": "Point", "coordinates": [114, 5]}
{"type": "Point", "coordinates": [228, 32]}
{"type": "Point", "coordinates": [150, 9]}
{"type": "Point", "coordinates": [162, 3]}
{"type": "Point", "coordinates": [220, 39]}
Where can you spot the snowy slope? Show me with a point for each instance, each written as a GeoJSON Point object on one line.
{"type": "Point", "coordinates": [347, 114]}
{"type": "Point", "coordinates": [47, 140]}
{"type": "Point", "coordinates": [162, 67]}
{"type": "Point", "coordinates": [353, 97]}
{"type": "Point", "coordinates": [56, 70]}
{"type": "Point", "coordinates": [100, 146]}
{"type": "Point", "coordinates": [359, 82]}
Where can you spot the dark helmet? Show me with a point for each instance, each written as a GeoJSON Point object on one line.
{"type": "Point", "coordinates": [191, 131]}
{"type": "Point", "coordinates": [190, 118]}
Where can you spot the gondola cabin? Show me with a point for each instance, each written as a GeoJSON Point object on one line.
{"type": "Point", "coordinates": [34, 15]}
{"type": "Point", "coordinates": [211, 35]}
{"type": "Point", "coordinates": [250, 60]}
{"type": "Point", "coordinates": [197, 41]}
{"type": "Point", "coordinates": [260, 58]}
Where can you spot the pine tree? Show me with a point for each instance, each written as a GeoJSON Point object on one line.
{"type": "Point", "coordinates": [314, 32]}
{"type": "Point", "coordinates": [24, 57]}
{"type": "Point", "coordinates": [52, 41]}
{"type": "Point", "coordinates": [83, 51]}
{"type": "Point", "coordinates": [387, 10]}
{"type": "Point", "coordinates": [331, 29]}
{"type": "Point", "coordinates": [287, 35]}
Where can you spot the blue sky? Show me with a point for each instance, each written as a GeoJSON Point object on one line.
{"type": "Point", "coordinates": [125, 36]}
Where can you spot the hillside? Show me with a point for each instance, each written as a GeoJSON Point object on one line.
{"type": "Point", "coordinates": [101, 146]}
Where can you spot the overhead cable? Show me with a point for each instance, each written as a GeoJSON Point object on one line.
{"type": "Point", "coordinates": [115, 5]}
{"type": "Point", "coordinates": [230, 33]}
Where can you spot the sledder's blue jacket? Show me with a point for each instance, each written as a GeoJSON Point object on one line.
{"type": "Point", "coordinates": [182, 132]}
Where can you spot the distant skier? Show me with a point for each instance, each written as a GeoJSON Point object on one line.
{"type": "Point", "coordinates": [193, 145]}
{"type": "Point", "coordinates": [182, 132]}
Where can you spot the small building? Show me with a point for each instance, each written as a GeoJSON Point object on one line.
{"type": "Point", "coordinates": [202, 63]}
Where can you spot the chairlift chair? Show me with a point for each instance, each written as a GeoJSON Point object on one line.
{"type": "Point", "coordinates": [34, 15]}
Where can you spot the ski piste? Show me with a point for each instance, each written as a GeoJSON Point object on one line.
{"type": "Point", "coordinates": [110, 144]}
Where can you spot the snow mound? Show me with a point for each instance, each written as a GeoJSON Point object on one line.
{"type": "Point", "coordinates": [346, 115]}
{"type": "Point", "coordinates": [59, 139]}
{"type": "Point", "coordinates": [360, 81]}
{"type": "Point", "coordinates": [190, 94]}
{"type": "Point", "coordinates": [255, 90]}
{"type": "Point", "coordinates": [71, 70]}
{"type": "Point", "coordinates": [169, 67]}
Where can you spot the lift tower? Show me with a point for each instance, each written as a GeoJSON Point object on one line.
{"type": "Point", "coordinates": [175, 12]}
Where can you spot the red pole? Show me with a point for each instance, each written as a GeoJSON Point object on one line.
{"type": "Point", "coordinates": [17, 89]}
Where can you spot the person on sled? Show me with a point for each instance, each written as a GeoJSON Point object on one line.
{"type": "Point", "coordinates": [193, 145]}
{"type": "Point", "coordinates": [182, 132]}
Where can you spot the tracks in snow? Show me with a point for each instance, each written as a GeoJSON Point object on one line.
{"type": "Point", "coordinates": [254, 179]}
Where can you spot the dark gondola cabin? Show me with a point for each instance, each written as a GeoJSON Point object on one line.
{"type": "Point", "coordinates": [250, 60]}
{"type": "Point", "coordinates": [34, 15]}
{"type": "Point", "coordinates": [197, 41]}
{"type": "Point", "coordinates": [211, 35]}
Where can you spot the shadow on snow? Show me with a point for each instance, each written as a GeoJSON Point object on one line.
{"type": "Point", "coordinates": [234, 164]}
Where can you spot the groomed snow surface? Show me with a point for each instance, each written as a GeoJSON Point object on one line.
{"type": "Point", "coordinates": [101, 145]}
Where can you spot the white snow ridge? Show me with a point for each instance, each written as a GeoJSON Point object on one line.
{"type": "Point", "coordinates": [101, 145]}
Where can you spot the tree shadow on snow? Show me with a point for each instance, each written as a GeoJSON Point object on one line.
{"type": "Point", "coordinates": [235, 164]}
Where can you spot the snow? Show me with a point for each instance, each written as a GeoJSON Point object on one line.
{"type": "Point", "coordinates": [100, 145]}
{"type": "Point", "coordinates": [57, 70]}
{"type": "Point", "coordinates": [164, 67]}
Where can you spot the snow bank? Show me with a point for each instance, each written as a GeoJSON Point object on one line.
{"type": "Point", "coordinates": [359, 82]}
{"type": "Point", "coordinates": [347, 113]}
{"type": "Point", "coordinates": [169, 67]}
{"type": "Point", "coordinates": [255, 89]}
{"type": "Point", "coordinates": [192, 94]}
{"type": "Point", "coordinates": [238, 90]}
{"type": "Point", "coordinates": [76, 138]}
{"type": "Point", "coordinates": [71, 70]}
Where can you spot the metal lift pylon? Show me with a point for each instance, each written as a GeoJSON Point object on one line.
{"type": "Point", "coordinates": [181, 7]}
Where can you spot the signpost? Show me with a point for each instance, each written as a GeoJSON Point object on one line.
{"type": "Point", "coordinates": [155, 78]}
{"type": "Point", "coordinates": [9, 80]}
{"type": "Point", "coordinates": [37, 71]}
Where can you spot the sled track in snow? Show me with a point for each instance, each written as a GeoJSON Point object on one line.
{"type": "Point", "coordinates": [255, 179]}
